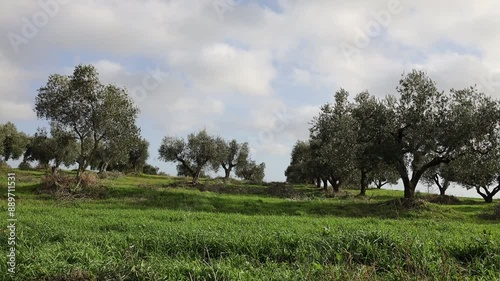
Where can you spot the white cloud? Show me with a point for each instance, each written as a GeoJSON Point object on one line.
{"type": "Point", "coordinates": [275, 149]}
{"type": "Point", "coordinates": [301, 76]}
{"type": "Point", "coordinates": [222, 68]}
{"type": "Point", "coordinates": [224, 74]}
{"type": "Point", "coordinates": [15, 103]}
{"type": "Point", "coordinates": [13, 111]}
{"type": "Point", "coordinates": [107, 67]}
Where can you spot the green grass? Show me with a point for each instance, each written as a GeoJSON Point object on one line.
{"type": "Point", "coordinates": [146, 230]}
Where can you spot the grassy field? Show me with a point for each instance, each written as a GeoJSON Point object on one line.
{"type": "Point", "coordinates": [160, 228]}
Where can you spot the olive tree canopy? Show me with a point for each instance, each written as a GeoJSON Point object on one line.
{"type": "Point", "coordinates": [99, 115]}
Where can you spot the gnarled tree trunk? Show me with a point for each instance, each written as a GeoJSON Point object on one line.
{"type": "Point", "coordinates": [335, 182]}
{"type": "Point", "coordinates": [364, 183]}
{"type": "Point", "coordinates": [487, 195]}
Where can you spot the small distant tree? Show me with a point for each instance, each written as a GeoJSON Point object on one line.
{"type": "Point", "coordinates": [138, 154]}
{"type": "Point", "coordinates": [201, 151]}
{"type": "Point", "coordinates": [12, 142]}
{"type": "Point", "coordinates": [150, 169]}
{"type": "Point", "coordinates": [251, 171]}
{"type": "Point", "coordinates": [233, 154]}
{"type": "Point", "coordinates": [132, 157]}
{"type": "Point", "coordinates": [39, 148]}
{"type": "Point", "coordinates": [301, 168]}
{"type": "Point", "coordinates": [116, 151]}
{"type": "Point", "coordinates": [384, 174]}
{"type": "Point", "coordinates": [480, 171]}
{"type": "Point", "coordinates": [24, 166]}
{"type": "Point", "coordinates": [59, 148]}
{"type": "Point", "coordinates": [441, 176]}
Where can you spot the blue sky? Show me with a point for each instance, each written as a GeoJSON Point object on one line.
{"type": "Point", "coordinates": [256, 71]}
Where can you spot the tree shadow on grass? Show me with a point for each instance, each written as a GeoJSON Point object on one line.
{"type": "Point", "coordinates": [375, 206]}
{"type": "Point", "coordinates": [210, 202]}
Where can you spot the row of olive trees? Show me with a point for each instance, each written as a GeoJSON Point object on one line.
{"type": "Point", "coordinates": [91, 125]}
{"type": "Point", "coordinates": [304, 168]}
{"type": "Point", "coordinates": [422, 133]}
{"type": "Point", "coordinates": [94, 125]}
{"type": "Point", "coordinates": [202, 152]}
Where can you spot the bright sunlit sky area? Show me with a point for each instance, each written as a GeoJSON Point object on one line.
{"type": "Point", "coordinates": [256, 71]}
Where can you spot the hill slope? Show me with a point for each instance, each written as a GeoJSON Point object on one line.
{"type": "Point", "coordinates": [161, 228]}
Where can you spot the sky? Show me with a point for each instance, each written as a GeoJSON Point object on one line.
{"type": "Point", "coordinates": [256, 71]}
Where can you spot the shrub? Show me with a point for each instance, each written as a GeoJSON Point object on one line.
{"type": "Point", "coordinates": [25, 166]}
{"type": "Point", "coordinates": [57, 183]}
{"type": "Point", "coordinates": [89, 180]}
{"type": "Point", "coordinates": [110, 175]}
{"type": "Point", "coordinates": [4, 165]}
{"type": "Point", "coordinates": [150, 169]}
{"type": "Point", "coordinates": [91, 186]}
{"type": "Point", "coordinates": [443, 200]}
{"type": "Point", "coordinates": [64, 186]}
{"type": "Point", "coordinates": [493, 214]}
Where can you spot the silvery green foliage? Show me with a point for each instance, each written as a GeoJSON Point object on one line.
{"type": "Point", "coordinates": [199, 152]}
{"type": "Point", "coordinates": [332, 137]}
{"type": "Point", "coordinates": [12, 142]}
{"type": "Point", "coordinates": [98, 115]}
{"type": "Point", "coordinates": [251, 171]}
{"type": "Point", "coordinates": [233, 154]}
{"type": "Point", "coordinates": [430, 127]}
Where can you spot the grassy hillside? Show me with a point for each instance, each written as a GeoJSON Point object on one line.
{"type": "Point", "coordinates": [161, 228]}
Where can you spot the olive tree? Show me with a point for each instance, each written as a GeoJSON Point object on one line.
{"type": "Point", "coordinates": [201, 151]}
{"type": "Point", "coordinates": [115, 151]}
{"type": "Point", "coordinates": [251, 171]}
{"type": "Point", "coordinates": [12, 142]}
{"type": "Point", "coordinates": [384, 174]}
{"type": "Point", "coordinates": [332, 136]}
{"type": "Point", "coordinates": [479, 170]}
{"type": "Point", "coordinates": [97, 114]}
{"type": "Point", "coordinates": [138, 154]}
{"type": "Point", "coordinates": [430, 127]}
{"type": "Point", "coordinates": [370, 121]}
{"type": "Point", "coordinates": [233, 154]}
{"type": "Point", "coordinates": [302, 168]}
{"type": "Point", "coordinates": [39, 148]}
{"type": "Point", "coordinates": [132, 157]}
{"type": "Point", "coordinates": [441, 176]}
{"type": "Point", "coordinates": [183, 172]}
{"type": "Point", "coordinates": [60, 148]}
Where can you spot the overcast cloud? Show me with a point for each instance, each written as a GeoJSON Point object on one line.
{"type": "Point", "coordinates": [252, 70]}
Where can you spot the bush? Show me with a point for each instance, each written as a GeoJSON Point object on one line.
{"type": "Point", "coordinates": [91, 186]}
{"type": "Point", "coordinates": [64, 186]}
{"type": "Point", "coordinates": [493, 214]}
{"type": "Point", "coordinates": [4, 165]}
{"type": "Point", "coordinates": [443, 200]}
{"type": "Point", "coordinates": [150, 169]}
{"type": "Point", "coordinates": [89, 180]}
{"type": "Point", "coordinates": [57, 183]}
{"type": "Point", "coordinates": [25, 166]}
